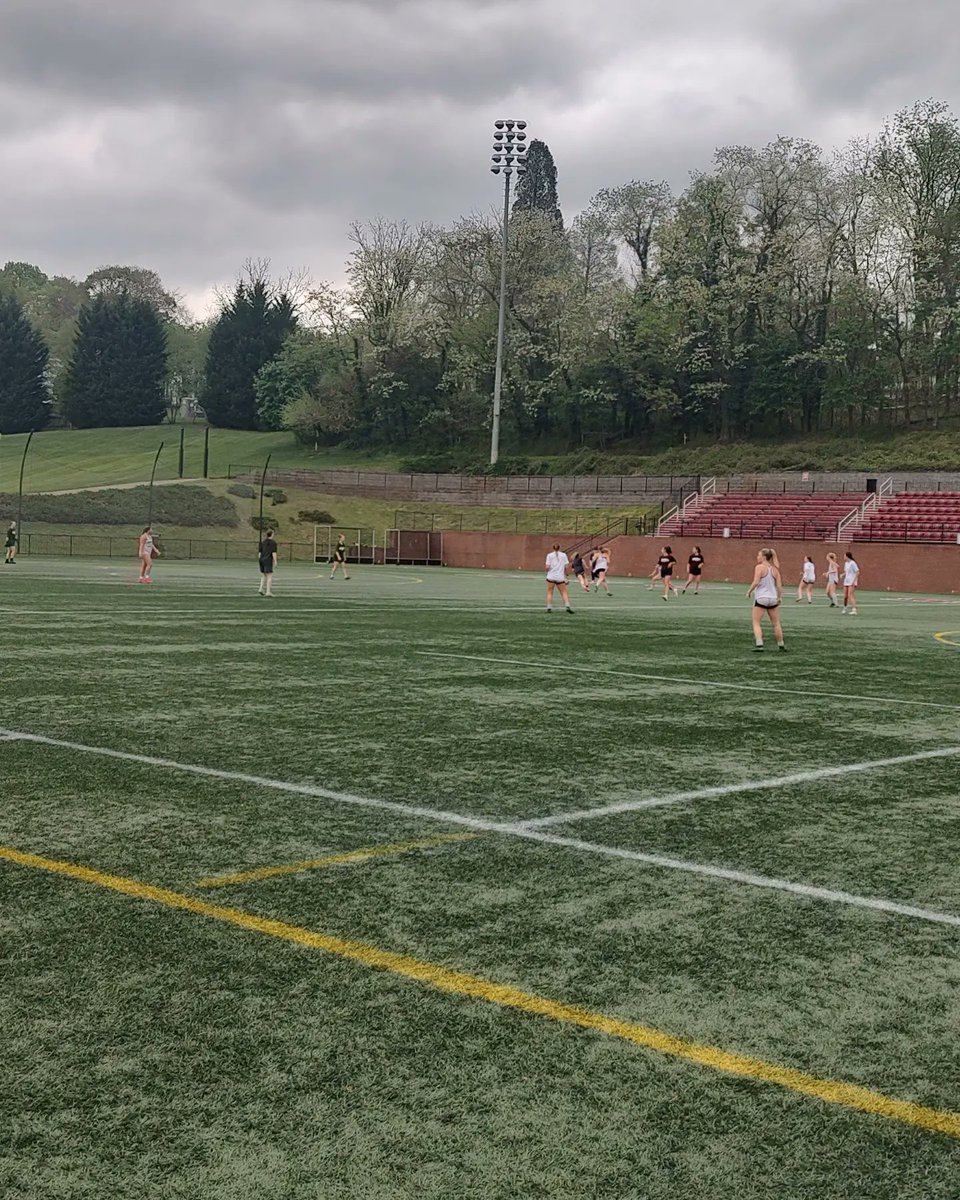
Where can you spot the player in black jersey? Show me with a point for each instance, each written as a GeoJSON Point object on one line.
{"type": "Point", "coordinates": [267, 553]}
{"type": "Point", "coordinates": [694, 570]}
{"type": "Point", "coordinates": [340, 557]}
{"type": "Point", "coordinates": [666, 563]}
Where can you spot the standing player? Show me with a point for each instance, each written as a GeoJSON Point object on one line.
{"type": "Point", "coordinates": [267, 553]}
{"type": "Point", "coordinates": [808, 578]}
{"type": "Point", "coordinates": [851, 581]}
{"type": "Point", "coordinates": [10, 545]}
{"type": "Point", "coordinates": [340, 557]}
{"type": "Point", "coordinates": [557, 565]}
{"type": "Point", "coordinates": [767, 592]}
{"type": "Point", "coordinates": [665, 565]}
{"type": "Point", "coordinates": [695, 565]}
{"type": "Point", "coordinates": [833, 578]}
{"type": "Point", "coordinates": [148, 552]}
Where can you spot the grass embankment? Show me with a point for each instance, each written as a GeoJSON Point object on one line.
{"type": "Point", "coordinates": [80, 458]}
{"type": "Point", "coordinates": [208, 520]}
{"type": "Point", "coordinates": [880, 450]}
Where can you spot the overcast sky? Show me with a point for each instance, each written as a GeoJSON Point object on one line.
{"type": "Point", "coordinates": [187, 135]}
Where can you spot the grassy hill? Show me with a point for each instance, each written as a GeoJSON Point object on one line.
{"type": "Point", "coordinates": [207, 521]}
{"type": "Point", "coordinates": [80, 458]}
{"type": "Point", "coordinates": [83, 458]}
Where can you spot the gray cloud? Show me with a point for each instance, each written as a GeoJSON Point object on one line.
{"type": "Point", "coordinates": [190, 135]}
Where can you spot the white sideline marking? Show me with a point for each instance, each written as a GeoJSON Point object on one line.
{"type": "Point", "coordinates": [826, 694]}
{"type": "Point", "coordinates": [730, 789]}
{"type": "Point", "coordinates": [509, 830]}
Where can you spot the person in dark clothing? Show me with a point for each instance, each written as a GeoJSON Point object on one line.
{"type": "Point", "coordinates": [267, 553]}
{"type": "Point", "coordinates": [10, 545]}
{"type": "Point", "coordinates": [579, 569]}
{"type": "Point", "coordinates": [340, 557]}
{"type": "Point", "coordinates": [694, 570]}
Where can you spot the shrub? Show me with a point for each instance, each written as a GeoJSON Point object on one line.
{"type": "Point", "coordinates": [186, 505]}
{"type": "Point", "coordinates": [277, 495]}
{"type": "Point", "coordinates": [244, 490]}
{"type": "Point", "coordinates": [262, 524]}
{"type": "Point", "coordinates": [316, 516]}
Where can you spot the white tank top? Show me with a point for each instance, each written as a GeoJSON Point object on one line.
{"type": "Point", "coordinates": [809, 573]}
{"type": "Point", "coordinates": [600, 563]}
{"type": "Point", "coordinates": [766, 592]}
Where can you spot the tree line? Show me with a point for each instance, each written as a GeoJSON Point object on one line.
{"type": "Point", "coordinates": [782, 291]}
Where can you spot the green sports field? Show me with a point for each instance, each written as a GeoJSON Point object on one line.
{"type": "Point", "coordinates": [309, 896]}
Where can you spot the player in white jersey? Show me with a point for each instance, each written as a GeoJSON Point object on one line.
{"type": "Point", "coordinates": [147, 551]}
{"type": "Point", "coordinates": [600, 565]}
{"type": "Point", "coordinates": [557, 565]}
{"type": "Point", "coordinates": [808, 577]}
{"type": "Point", "coordinates": [851, 581]}
{"type": "Point", "coordinates": [767, 592]}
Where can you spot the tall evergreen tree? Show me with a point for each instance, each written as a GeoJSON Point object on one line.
{"type": "Point", "coordinates": [24, 399]}
{"type": "Point", "coordinates": [537, 189]}
{"type": "Point", "coordinates": [118, 366]}
{"type": "Point", "coordinates": [248, 334]}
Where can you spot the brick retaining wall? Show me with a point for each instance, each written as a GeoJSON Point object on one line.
{"type": "Point", "coordinates": [884, 566]}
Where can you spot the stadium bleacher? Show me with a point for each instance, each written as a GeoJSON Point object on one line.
{"type": "Point", "coordinates": [759, 515]}
{"type": "Point", "coordinates": [913, 517]}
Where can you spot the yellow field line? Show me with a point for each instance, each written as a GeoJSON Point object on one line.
{"type": "Point", "coordinates": [946, 636]}
{"type": "Point", "coordinates": [458, 983]}
{"type": "Point", "coordinates": [333, 860]}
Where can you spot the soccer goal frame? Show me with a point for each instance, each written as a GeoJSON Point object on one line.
{"type": "Point", "coordinates": [361, 543]}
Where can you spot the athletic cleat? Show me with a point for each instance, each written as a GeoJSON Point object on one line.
{"type": "Point", "coordinates": [757, 649]}
{"type": "Point", "coordinates": [782, 647]}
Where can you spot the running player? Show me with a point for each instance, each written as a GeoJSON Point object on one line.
{"type": "Point", "coordinates": [833, 578]}
{"type": "Point", "coordinates": [147, 551]}
{"type": "Point", "coordinates": [10, 545]}
{"type": "Point", "coordinates": [665, 565]}
{"type": "Point", "coordinates": [851, 581]}
{"type": "Point", "coordinates": [808, 578]}
{"type": "Point", "coordinates": [695, 565]}
{"type": "Point", "coordinates": [557, 565]}
{"type": "Point", "coordinates": [579, 569]}
{"type": "Point", "coordinates": [267, 553]}
{"type": "Point", "coordinates": [340, 557]}
{"type": "Point", "coordinates": [601, 564]}
{"type": "Point", "coordinates": [767, 592]}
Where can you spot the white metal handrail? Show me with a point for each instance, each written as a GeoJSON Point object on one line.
{"type": "Point", "coordinates": [708, 488]}
{"type": "Point", "coordinates": [667, 516]}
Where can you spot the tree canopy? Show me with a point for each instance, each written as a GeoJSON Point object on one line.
{"type": "Point", "coordinates": [24, 393]}
{"type": "Point", "coordinates": [118, 366]}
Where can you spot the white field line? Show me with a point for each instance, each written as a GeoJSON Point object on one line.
{"type": "Point", "coordinates": [510, 830]}
{"type": "Point", "coordinates": [731, 789]}
{"type": "Point", "coordinates": [825, 692]}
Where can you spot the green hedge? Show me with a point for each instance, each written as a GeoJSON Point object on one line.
{"type": "Point", "coordinates": [186, 505]}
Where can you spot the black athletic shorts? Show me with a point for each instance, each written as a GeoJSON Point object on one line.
{"type": "Point", "coordinates": [266, 566]}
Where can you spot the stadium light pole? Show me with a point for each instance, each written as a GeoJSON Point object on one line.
{"type": "Point", "coordinates": [509, 157]}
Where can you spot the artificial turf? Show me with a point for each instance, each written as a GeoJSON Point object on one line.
{"type": "Point", "coordinates": [158, 1053]}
